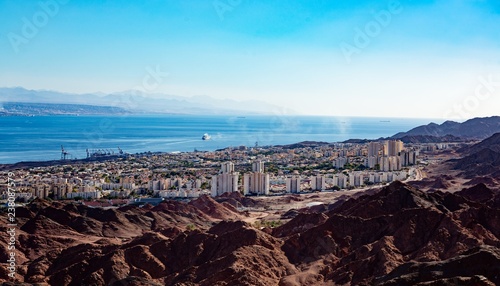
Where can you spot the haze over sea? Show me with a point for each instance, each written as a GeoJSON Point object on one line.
{"type": "Point", "coordinates": [40, 138]}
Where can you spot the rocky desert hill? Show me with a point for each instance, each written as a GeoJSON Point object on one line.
{"type": "Point", "coordinates": [492, 142]}
{"type": "Point", "coordinates": [476, 128]}
{"type": "Point", "coordinates": [430, 139]}
{"type": "Point", "coordinates": [481, 159]}
{"type": "Point", "coordinates": [397, 235]}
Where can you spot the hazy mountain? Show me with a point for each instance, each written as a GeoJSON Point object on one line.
{"type": "Point", "coordinates": [26, 108]}
{"type": "Point", "coordinates": [136, 101]}
{"type": "Point", "coordinates": [477, 128]}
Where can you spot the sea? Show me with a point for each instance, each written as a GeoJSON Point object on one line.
{"type": "Point", "coordinates": [40, 138]}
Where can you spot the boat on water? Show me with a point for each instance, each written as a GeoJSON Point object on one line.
{"type": "Point", "coordinates": [206, 137]}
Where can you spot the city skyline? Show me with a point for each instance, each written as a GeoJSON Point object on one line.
{"type": "Point", "coordinates": [431, 59]}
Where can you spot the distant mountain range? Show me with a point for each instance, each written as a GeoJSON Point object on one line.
{"type": "Point", "coordinates": [476, 128]}
{"type": "Point", "coordinates": [413, 139]}
{"type": "Point", "coordinates": [30, 109]}
{"type": "Point", "coordinates": [127, 101]}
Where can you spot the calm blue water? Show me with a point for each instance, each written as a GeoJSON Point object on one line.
{"type": "Point", "coordinates": [40, 138]}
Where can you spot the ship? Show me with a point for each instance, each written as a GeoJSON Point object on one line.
{"type": "Point", "coordinates": [206, 137]}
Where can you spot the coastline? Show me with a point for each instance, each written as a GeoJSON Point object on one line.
{"type": "Point", "coordinates": [39, 138]}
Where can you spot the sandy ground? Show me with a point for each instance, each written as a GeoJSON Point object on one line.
{"type": "Point", "coordinates": [276, 206]}
{"type": "Point", "coordinates": [439, 167]}
{"type": "Point", "coordinates": [254, 216]}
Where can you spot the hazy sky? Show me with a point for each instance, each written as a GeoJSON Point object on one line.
{"type": "Point", "coordinates": [360, 58]}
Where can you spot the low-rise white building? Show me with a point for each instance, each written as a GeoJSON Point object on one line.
{"type": "Point", "coordinates": [84, 195]}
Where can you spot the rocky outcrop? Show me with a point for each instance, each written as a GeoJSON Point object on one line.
{"type": "Point", "coordinates": [442, 182]}
{"type": "Point", "coordinates": [233, 252]}
{"type": "Point", "coordinates": [373, 236]}
{"type": "Point", "coordinates": [237, 200]}
{"type": "Point", "coordinates": [430, 139]}
{"type": "Point", "coordinates": [481, 159]}
{"type": "Point", "coordinates": [211, 208]}
{"type": "Point", "coordinates": [460, 270]}
{"type": "Point", "coordinates": [488, 181]}
{"type": "Point", "coordinates": [492, 143]}
{"type": "Point", "coordinates": [51, 235]}
{"type": "Point", "coordinates": [397, 235]}
{"type": "Point", "coordinates": [482, 163]}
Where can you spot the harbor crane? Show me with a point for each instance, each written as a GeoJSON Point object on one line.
{"type": "Point", "coordinates": [64, 153]}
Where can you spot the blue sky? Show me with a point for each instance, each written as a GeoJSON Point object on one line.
{"type": "Point", "coordinates": [419, 58]}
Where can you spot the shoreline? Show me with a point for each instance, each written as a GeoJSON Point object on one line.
{"type": "Point", "coordinates": [167, 135]}
{"type": "Point", "coordinates": [47, 163]}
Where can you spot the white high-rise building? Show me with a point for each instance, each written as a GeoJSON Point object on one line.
{"type": "Point", "coordinates": [385, 148]}
{"type": "Point", "coordinates": [383, 177]}
{"type": "Point", "coordinates": [318, 183]}
{"type": "Point", "coordinates": [258, 166]}
{"type": "Point", "coordinates": [227, 167]}
{"type": "Point", "coordinates": [390, 163]}
{"type": "Point", "coordinates": [156, 185]}
{"type": "Point", "coordinates": [340, 180]}
{"type": "Point", "coordinates": [256, 182]}
{"type": "Point", "coordinates": [355, 179]}
{"type": "Point", "coordinates": [42, 191]}
{"type": "Point", "coordinates": [226, 181]}
{"type": "Point", "coordinates": [408, 158]}
{"type": "Point", "coordinates": [343, 153]}
{"type": "Point", "coordinates": [390, 176]}
{"type": "Point", "coordinates": [340, 162]}
{"type": "Point", "coordinates": [374, 178]}
{"type": "Point", "coordinates": [373, 149]}
{"type": "Point", "coordinates": [293, 184]}
{"type": "Point", "coordinates": [394, 147]}
{"type": "Point", "coordinates": [371, 161]}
